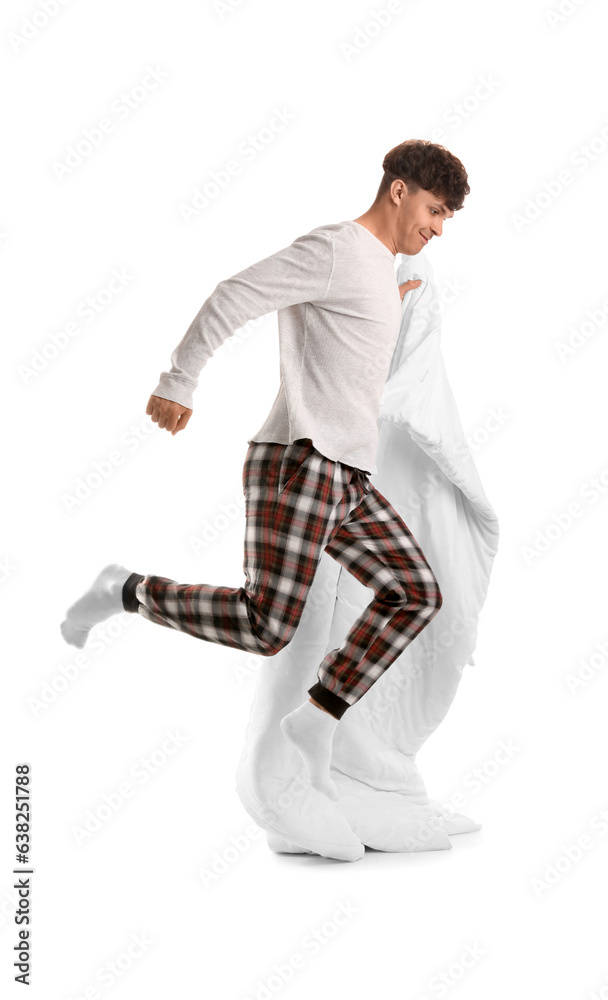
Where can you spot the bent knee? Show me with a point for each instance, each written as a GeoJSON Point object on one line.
{"type": "Point", "coordinates": [274, 644]}
{"type": "Point", "coordinates": [433, 598]}
{"type": "Point", "coordinates": [436, 599]}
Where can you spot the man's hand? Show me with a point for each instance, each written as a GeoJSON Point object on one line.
{"type": "Point", "coordinates": [167, 414]}
{"type": "Point", "coordinates": [407, 285]}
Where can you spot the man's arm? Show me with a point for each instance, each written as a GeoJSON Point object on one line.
{"type": "Point", "coordinates": [298, 273]}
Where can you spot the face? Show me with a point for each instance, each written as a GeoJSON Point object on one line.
{"type": "Point", "coordinates": [419, 215]}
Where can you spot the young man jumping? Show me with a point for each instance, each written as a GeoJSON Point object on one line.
{"type": "Point", "coordinates": [305, 476]}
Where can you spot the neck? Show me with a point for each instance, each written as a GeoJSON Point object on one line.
{"type": "Point", "coordinates": [378, 224]}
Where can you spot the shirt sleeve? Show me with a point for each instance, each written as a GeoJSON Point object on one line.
{"type": "Point", "coordinates": [300, 272]}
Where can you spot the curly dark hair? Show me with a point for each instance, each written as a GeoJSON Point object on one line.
{"type": "Point", "coordinates": [427, 165]}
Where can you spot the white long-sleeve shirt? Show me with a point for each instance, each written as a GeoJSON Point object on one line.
{"type": "Point", "coordinates": [339, 313]}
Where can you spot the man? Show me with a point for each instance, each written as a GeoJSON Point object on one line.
{"type": "Point", "coordinates": [305, 476]}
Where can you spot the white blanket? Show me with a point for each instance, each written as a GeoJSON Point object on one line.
{"type": "Point", "coordinates": [427, 472]}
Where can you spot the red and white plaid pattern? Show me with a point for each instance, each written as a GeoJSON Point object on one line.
{"type": "Point", "coordinates": [298, 504]}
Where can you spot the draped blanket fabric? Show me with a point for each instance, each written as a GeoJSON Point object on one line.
{"type": "Point", "coordinates": [427, 472]}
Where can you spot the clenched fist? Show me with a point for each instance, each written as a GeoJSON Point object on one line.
{"type": "Point", "coordinates": [408, 285]}
{"type": "Point", "coordinates": [167, 414]}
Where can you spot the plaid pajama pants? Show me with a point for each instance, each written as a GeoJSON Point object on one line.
{"type": "Point", "coordinates": [298, 504]}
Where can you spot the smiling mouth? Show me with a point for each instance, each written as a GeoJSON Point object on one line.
{"type": "Point", "coordinates": [424, 237]}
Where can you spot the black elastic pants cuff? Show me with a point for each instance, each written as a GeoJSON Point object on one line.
{"type": "Point", "coordinates": [129, 600]}
{"type": "Point", "coordinates": [335, 705]}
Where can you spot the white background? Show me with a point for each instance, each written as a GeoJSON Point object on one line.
{"type": "Point", "coordinates": [524, 285]}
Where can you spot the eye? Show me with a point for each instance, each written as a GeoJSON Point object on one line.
{"type": "Point", "coordinates": [434, 211]}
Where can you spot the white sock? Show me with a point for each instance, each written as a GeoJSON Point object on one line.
{"type": "Point", "coordinates": [311, 731]}
{"type": "Point", "coordinates": [102, 600]}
